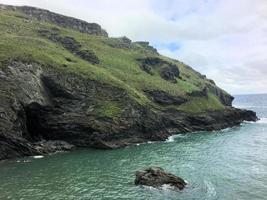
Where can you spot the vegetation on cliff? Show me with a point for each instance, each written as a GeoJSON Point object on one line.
{"type": "Point", "coordinates": [64, 79]}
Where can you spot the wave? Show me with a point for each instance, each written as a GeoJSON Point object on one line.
{"type": "Point", "coordinates": [38, 157]}
{"type": "Point", "coordinates": [262, 120]}
{"type": "Point", "coordinates": [172, 137]}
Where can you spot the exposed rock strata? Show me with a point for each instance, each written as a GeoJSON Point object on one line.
{"type": "Point", "coordinates": [157, 177]}
{"type": "Point", "coordinates": [168, 71]}
{"type": "Point", "coordinates": [147, 47]}
{"type": "Point", "coordinates": [61, 20]}
{"type": "Point", "coordinates": [164, 98]}
{"type": "Point", "coordinates": [38, 103]}
{"type": "Point", "coordinates": [71, 45]}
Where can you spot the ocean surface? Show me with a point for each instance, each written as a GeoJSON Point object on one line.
{"type": "Point", "coordinates": [224, 165]}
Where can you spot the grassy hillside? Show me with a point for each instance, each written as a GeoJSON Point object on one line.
{"type": "Point", "coordinates": [119, 64]}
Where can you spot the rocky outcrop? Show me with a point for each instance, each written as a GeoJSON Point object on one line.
{"type": "Point", "coordinates": [71, 45]}
{"type": "Point", "coordinates": [157, 177]}
{"type": "Point", "coordinates": [199, 93]}
{"type": "Point", "coordinates": [164, 98]}
{"type": "Point", "coordinates": [61, 20]}
{"type": "Point", "coordinates": [225, 98]}
{"type": "Point", "coordinates": [121, 43]}
{"type": "Point", "coordinates": [37, 103]}
{"type": "Point", "coordinates": [167, 71]}
{"type": "Point", "coordinates": [46, 147]}
{"type": "Point", "coordinates": [147, 47]}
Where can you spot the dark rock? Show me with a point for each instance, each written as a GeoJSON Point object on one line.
{"type": "Point", "coordinates": [168, 71]}
{"type": "Point", "coordinates": [216, 120]}
{"type": "Point", "coordinates": [121, 43]}
{"type": "Point", "coordinates": [125, 40]}
{"type": "Point", "coordinates": [100, 144]}
{"type": "Point", "coordinates": [168, 75]}
{"type": "Point", "coordinates": [147, 47]}
{"type": "Point", "coordinates": [164, 98]}
{"type": "Point", "coordinates": [71, 45]}
{"type": "Point", "coordinates": [45, 147]}
{"type": "Point", "coordinates": [200, 93]}
{"type": "Point", "coordinates": [157, 177]}
{"type": "Point", "coordinates": [69, 59]}
{"type": "Point", "coordinates": [146, 68]}
{"type": "Point", "coordinates": [61, 20]}
{"type": "Point", "coordinates": [88, 56]}
{"type": "Point", "coordinates": [14, 146]}
{"type": "Point", "coordinates": [225, 98]}
{"type": "Point", "coordinates": [38, 103]}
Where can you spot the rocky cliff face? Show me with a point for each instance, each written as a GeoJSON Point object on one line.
{"type": "Point", "coordinates": [38, 103]}
{"type": "Point", "coordinates": [61, 20]}
{"type": "Point", "coordinates": [58, 86]}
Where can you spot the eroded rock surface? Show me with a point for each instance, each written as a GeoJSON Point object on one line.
{"type": "Point", "coordinates": [164, 98]}
{"type": "Point", "coordinates": [71, 45]}
{"type": "Point", "coordinates": [38, 103]}
{"type": "Point", "coordinates": [167, 71]}
{"type": "Point", "coordinates": [61, 20]}
{"type": "Point", "coordinates": [157, 177]}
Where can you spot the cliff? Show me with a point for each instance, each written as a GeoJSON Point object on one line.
{"type": "Point", "coordinates": [66, 80]}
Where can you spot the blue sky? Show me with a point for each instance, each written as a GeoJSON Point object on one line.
{"type": "Point", "coordinates": [224, 39]}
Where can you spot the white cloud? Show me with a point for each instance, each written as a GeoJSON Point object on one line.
{"type": "Point", "coordinates": [224, 39]}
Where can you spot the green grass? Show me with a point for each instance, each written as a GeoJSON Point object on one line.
{"type": "Point", "coordinates": [200, 104]}
{"type": "Point", "coordinates": [19, 39]}
{"type": "Point", "coordinates": [109, 109]}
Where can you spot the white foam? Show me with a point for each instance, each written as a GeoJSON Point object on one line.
{"type": "Point", "coordinates": [172, 137]}
{"type": "Point", "coordinates": [262, 120]}
{"type": "Point", "coordinates": [38, 157]}
{"type": "Point", "coordinates": [167, 187]}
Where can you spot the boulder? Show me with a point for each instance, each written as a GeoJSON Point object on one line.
{"type": "Point", "coordinates": [53, 146]}
{"type": "Point", "coordinates": [167, 71]}
{"type": "Point", "coordinates": [156, 177]}
{"type": "Point", "coordinates": [164, 98]}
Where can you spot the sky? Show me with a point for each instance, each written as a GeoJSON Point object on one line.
{"type": "Point", "coordinates": [223, 39]}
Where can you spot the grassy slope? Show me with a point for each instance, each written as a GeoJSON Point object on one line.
{"type": "Point", "coordinates": [19, 39]}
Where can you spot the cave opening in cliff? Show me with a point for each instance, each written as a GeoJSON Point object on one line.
{"type": "Point", "coordinates": [34, 127]}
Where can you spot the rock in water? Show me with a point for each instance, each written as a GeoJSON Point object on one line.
{"type": "Point", "coordinates": [156, 177]}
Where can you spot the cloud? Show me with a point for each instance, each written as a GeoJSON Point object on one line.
{"type": "Point", "coordinates": [224, 39]}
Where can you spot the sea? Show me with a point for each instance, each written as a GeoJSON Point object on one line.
{"type": "Point", "coordinates": [230, 164]}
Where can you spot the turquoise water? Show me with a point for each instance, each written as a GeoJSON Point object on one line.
{"type": "Point", "coordinates": [230, 165]}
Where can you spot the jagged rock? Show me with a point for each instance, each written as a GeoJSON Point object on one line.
{"type": "Point", "coordinates": [156, 177]}
{"type": "Point", "coordinates": [71, 45]}
{"type": "Point", "coordinates": [88, 56]}
{"type": "Point", "coordinates": [61, 20]}
{"type": "Point", "coordinates": [126, 40]}
{"type": "Point", "coordinates": [121, 43]}
{"type": "Point", "coordinates": [164, 98]}
{"type": "Point", "coordinates": [225, 98]}
{"type": "Point", "coordinates": [39, 103]}
{"type": "Point", "coordinates": [167, 74]}
{"type": "Point", "coordinates": [147, 47]}
{"type": "Point", "coordinates": [146, 68]}
{"type": "Point", "coordinates": [168, 71]}
{"type": "Point", "coordinates": [44, 146]}
{"type": "Point", "coordinates": [14, 146]}
{"type": "Point", "coordinates": [200, 93]}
